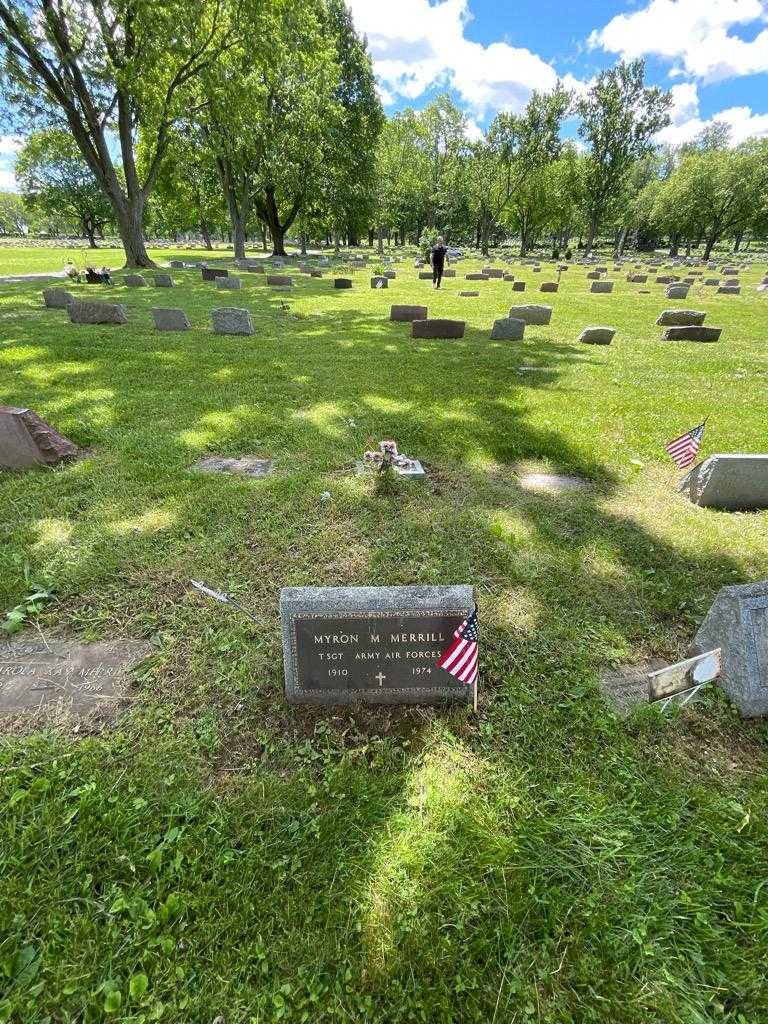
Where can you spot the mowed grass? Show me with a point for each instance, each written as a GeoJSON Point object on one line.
{"type": "Point", "coordinates": [46, 259]}
{"type": "Point", "coordinates": [543, 861]}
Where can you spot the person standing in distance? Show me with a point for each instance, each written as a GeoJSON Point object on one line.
{"type": "Point", "coordinates": [437, 258]}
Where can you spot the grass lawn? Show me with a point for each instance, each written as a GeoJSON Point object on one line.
{"type": "Point", "coordinates": [44, 259]}
{"type": "Point", "coordinates": [251, 862]}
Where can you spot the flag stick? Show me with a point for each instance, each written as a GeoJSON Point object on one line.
{"type": "Point", "coordinates": [223, 598]}
{"type": "Point", "coordinates": [474, 693]}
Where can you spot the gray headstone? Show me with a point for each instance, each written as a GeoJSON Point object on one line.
{"type": "Point", "coordinates": [692, 334]}
{"type": "Point", "coordinates": [437, 328]}
{"type": "Point", "coordinates": [228, 283]}
{"type": "Point", "coordinates": [518, 286]}
{"type": "Point", "coordinates": [508, 329]}
{"type": "Point", "coordinates": [280, 280]}
{"type": "Point", "coordinates": [425, 275]}
{"type": "Point", "coordinates": [230, 320]}
{"type": "Point", "coordinates": [342, 282]}
{"type": "Point", "coordinates": [597, 335]}
{"type": "Point", "coordinates": [91, 311]}
{"type": "Point", "coordinates": [135, 281]}
{"type": "Point", "coordinates": [375, 645]}
{"type": "Point", "coordinates": [601, 287]}
{"type": "Point", "coordinates": [244, 466]}
{"type": "Point", "coordinates": [712, 281]}
{"type": "Point", "coordinates": [163, 280]}
{"type": "Point", "coordinates": [170, 319]}
{"type": "Point", "coordinates": [677, 291]}
{"type": "Point", "coordinates": [729, 289]}
{"type": "Point", "coordinates": [26, 440]}
{"type": "Point", "coordinates": [57, 298]}
{"type": "Point", "coordinates": [177, 264]}
{"type": "Point", "coordinates": [594, 275]}
{"type": "Point", "coordinates": [380, 282]}
{"type": "Point", "coordinates": [494, 272]}
{"type": "Point", "coordinates": [737, 623]}
{"type": "Point", "coordinates": [637, 278]}
{"type": "Point", "coordinates": [475, 277]}
{"type": "Point", "coordinates": [681, 318]}
{"type": "Point", "coordinates": [549, 286]}
{"type": "Point", "coordinates": [390, 274]}
{"type": "Point", "coordinates": [449, 273]}
{"type": "Point", "coordinates": [732, 482]}
{"type": "Point", "coordinates": [538, 316]}
{"type": "Point", "coordinates": [406, 314]}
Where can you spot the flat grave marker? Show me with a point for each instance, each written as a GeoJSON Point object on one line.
{"type": "Point", "coordinates": [373, 645]}
{"type": "Point", "coordinates": [64, 674]}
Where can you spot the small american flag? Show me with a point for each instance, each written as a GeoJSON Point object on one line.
{"type": "Point", "coordinates": [685, 448]}
{"type": "Point", "coordinates": [461, 657]}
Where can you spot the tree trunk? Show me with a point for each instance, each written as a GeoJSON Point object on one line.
{"type": "Point", "coordinates": [303, 238]}
{"type": "Point", "coordinates": [370, 238]}
{"type": "Point", "coordinates": [674, 244]}
{"type": "Point", "coordinates": [129, 221]}
{"type": "Point", "coordinates": [737, 241]}
{"type": "Point", "coordinates": [381, 240]}
{"type": "Point", "coordinates": [485, 234]}
{"type": "Point", "coordinates": [336, 245]}
{"type": "Point", "coordinates": [591, 236]}
{"type": "Point", "coordinates": [711, 239]}
{"type": "Point", "coordinates": [89, 232]}
{"type": "Point", "coordinates": [205, 231]}
{"type": "Point", "coordinates": [622, 242]}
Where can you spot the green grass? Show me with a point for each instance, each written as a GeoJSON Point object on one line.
{"type": "Point", "coordinates": [262, 863]}
{"type": "Point", "coordinates": [41, 260]}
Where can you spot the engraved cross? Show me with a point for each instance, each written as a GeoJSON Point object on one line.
{"type": "Point", "coordinates": [380, 678]}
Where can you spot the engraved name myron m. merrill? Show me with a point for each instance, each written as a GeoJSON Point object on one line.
{"type": "Point", "coordinates": [380, 652]}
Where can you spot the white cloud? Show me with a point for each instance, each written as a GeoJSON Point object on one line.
{"type": "Point", "coordinates": [695, 34]}
{"type": "Point", "coordinates": [687, 122]}
{"type": "Point", "coordinates": [473, 131]}
{"type": "Point", "coordinates": [10, 144]}
{"type": "Point", "coordinates": [7, 180]}
{"type": "Point", "coordinates": [416, 44]}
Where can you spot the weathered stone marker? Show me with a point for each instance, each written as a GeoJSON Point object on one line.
{"type": "Point", "coordinates": [507, 329]}
{"type": "Point", "coordinates": [231, 283]}
{"type": "Point", "coordinates": [168, 319]}
{"type": "Point", "coordinates": [681, 318]}
{"type": "Point", "coordinates": [597, 335]}
{"type": "Point", "coordinates": [437, 328]}
{"type": "Point", "coordinates": [230, 320]}
{"type": "Point", "coordinates": [375, 645]}
{"type": "Point", "coordinates": [406, 314]}
{"type": "Point", "coordinates": [737, 623]}
{"type": "Point", "coordinates": [535, 316]}
{"type": "Point", "coordinates": [57, 298]}
{"type": "Point", "coordinates": [91, 311]}
{"type": "Point", "coordinates": [26, 440]}
{"type": "Point", "coordinates": [64, 673]}
{"type": "Point", "coordinates": [732, 482]}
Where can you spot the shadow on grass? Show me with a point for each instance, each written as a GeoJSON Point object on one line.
{"type": "Point", "coordinates": [414, 865]}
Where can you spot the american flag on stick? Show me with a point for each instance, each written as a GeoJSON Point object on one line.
{"type": "Point", "coordinates": [685, 448]}
{"type": "Point", "coordinates": [461, 657]}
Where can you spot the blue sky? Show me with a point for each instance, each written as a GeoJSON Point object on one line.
{"type": "Point", "coordinates": [491, 54]}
